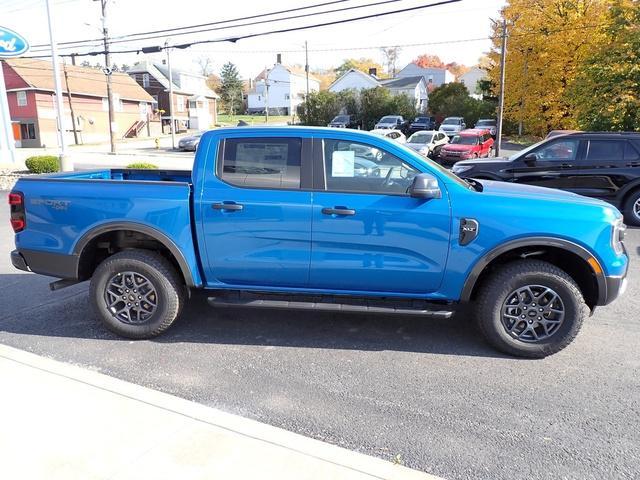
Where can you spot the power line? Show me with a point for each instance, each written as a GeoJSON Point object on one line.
{"type": "Point", "coordinates": [253, 35]}
{"type": "Point", "coordinates": [220, 22]}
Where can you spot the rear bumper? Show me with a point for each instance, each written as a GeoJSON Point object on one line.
{"type": "Point", "coordinates": [46, 263]}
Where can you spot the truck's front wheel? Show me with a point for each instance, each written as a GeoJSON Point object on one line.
{"type": "Point", "coordinates": [530, 308]}
{"type": "Point", "coordinates": [136, 293]}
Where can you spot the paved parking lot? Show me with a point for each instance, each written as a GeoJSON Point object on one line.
{"type": "Point", "coordinates": [429, 391]}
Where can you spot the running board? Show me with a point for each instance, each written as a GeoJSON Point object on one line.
{"type": "Point", "coordinates": [333, 304]}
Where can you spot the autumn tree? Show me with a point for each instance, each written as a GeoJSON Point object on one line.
{"type": "Point", "coordinates": [428, 61]}
{"type": "Point", "coordinates": [548, 40]}
{"type": "Point", "coordinates": [606, 91]}
{"type": "Point", "coordinates": [362, 64]}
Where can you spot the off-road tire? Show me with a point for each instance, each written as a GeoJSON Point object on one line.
{"type": "Point", "coordinates": [629, 216]}
{"type": "Point", "coordinates": [495, 290]}
{"type": "Point", "coordinates": [162, 275]}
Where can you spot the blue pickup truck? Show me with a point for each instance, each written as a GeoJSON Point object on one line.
{"type": "Point", "coordinates": [323, 219]}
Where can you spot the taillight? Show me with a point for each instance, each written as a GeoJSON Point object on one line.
{"type": "Point", "coordinates": [18, 220]}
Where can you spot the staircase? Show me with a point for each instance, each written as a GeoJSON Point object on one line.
{"type": "Point", "coordinates": [135, 129]}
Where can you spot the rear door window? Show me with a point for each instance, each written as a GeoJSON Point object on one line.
{"type": "Point", "coordinates": [630, 153]}
{"type": "Point", "coordinates": [559, 150]}
{"type": "Point", "coordinates": [262, 162]}
{"type": "Point", "coordinates": [605, 150]}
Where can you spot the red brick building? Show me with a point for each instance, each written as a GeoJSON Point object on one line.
{"type": "Point", "coordinates": [31, 95]}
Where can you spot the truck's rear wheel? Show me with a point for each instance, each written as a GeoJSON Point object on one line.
{"type": "Point", "coordinates": [136, 293]}
{"type": "Point", "coordinates": [530, 308]}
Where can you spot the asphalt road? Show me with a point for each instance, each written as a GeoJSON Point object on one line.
{"type": "Point", "coordinates": [429, 391]}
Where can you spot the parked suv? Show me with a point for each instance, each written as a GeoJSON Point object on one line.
{"type": "Point", "coordinates": [452, 125]}
{"type": "Point", "coordinates": [472, 143]}
{"type": "Point", "coordinates": [489, 124]}
{"type": "Point", "coordinates": [393, 122]}
{"type": "Point", "coordinates": [344, 121]}
{"type": "Point", "coordinates": [422, 123]}
{"type": "Point", "coordinates": [599, 165]}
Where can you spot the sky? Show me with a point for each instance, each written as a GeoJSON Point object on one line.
{"type": "Point", "coordinates": [449, 31]}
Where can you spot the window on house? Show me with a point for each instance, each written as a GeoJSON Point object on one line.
{"type": "Point", "coordinates": [145, 80]}
{"type": "Point", "coordinates": [192, 104]}
{"type": "Point", "coordinates": [180, 101]}
{"type": "Point", "coordinates": [259, 98]}
{"type": "Point", "coordinates": [27, 131]}
{"type": "Point", "coordinates": [21, 98]}
{"type": "Point", "coordinates": [286, 96]}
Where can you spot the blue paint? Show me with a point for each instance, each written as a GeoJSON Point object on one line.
{"type": "Point", "coordinates": [12, 44]}
{"type": "Point", "coordinates": [394, 245]}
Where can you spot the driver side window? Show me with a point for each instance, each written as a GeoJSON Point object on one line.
{"type": "Point", "coordinates": [360, 168]}
{"type": "Point", "coordinates": [561, 150]}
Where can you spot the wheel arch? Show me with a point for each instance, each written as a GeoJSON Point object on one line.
{"type": "Point", "coordinates": [577, 261]}
{"type": "Point", "coordinates": [86, 247]}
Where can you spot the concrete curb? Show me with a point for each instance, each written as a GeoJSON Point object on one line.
{"type": "Point", "coordinates": [358, 463]}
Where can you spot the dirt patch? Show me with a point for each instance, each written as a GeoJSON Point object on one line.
{"type": "Point", "coordinates": [8, 178]}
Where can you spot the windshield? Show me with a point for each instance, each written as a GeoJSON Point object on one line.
{"type": "Point", "coordinates": [486, 123]}
{"type": "Point", "coordinates": [420, 137]}
{"type": "Point", "coordinates": [450, 121]}
{"type": "Point", "coordinates": [421, 120]}
{"type": "Point", "coordinates": [388, 120]}
{"type": "Point", "coordinates": [465, 140]}
{"type": "Point", "coordinates": [436, 166]}
{"type": "Point", "coordinates": [522, 153]}
{"type": "Point", "coordinates": [341, 118]}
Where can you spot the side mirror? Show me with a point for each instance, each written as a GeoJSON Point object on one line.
{"type": "Point", "coordinates": [425, 186]}
{"type": "Point", "coordinates": [530, 159]}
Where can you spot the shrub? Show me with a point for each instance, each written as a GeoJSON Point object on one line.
{"type": "Point", "coordinates": [43, 164]}
{"type": "Point", "coordinates": [142, 166]}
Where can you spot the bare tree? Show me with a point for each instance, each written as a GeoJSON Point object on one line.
{"type": "Point", "coordinates": [205, 64]}
{"type": "Point", "coordinates": [390, 55]}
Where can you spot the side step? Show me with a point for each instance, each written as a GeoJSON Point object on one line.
{"type": "Point", "coordinates": [332, 304]}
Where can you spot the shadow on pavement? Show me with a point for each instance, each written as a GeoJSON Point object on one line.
{"type": "Point", "coordinates": [67, 313]}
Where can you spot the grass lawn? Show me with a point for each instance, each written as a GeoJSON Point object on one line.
{"type": "Point", "coordinates": [252, 119]}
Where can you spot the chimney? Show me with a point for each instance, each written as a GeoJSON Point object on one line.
{"type": "Point", "coordinates": [279, 58]}
{"type": "Point", "coordinates": [373, 72]}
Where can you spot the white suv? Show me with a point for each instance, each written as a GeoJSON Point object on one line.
{"type": "Point", "coordinates": [452, 125]}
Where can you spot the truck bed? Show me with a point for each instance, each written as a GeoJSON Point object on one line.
{"type": "Point", "coordinates": [120, 174]}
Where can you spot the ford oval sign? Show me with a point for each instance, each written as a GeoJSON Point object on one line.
{"type": "Point", "coordinates": [12, 44]}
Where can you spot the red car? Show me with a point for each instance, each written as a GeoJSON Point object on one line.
{"type": "Point", "coordinates": [471, 143]}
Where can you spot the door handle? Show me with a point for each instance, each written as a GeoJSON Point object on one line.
{"type": "Point", "coordinates": [227, 206]}
{"type": "Point", "coordinates": [566, 165]}
{"type": "Point", "coordinates": [338, 211]}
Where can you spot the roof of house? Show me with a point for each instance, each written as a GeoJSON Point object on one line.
{"type": "Point", "coordinates": [402, 82]}
{"type": "Point", "coordinates": [89, 81]}
{"type": "Point", "coordinates": [161, 73]}
{"type": "Point", "coordinates": [365, 76]}
{"type": "Point", "coordinates": [293, 70]}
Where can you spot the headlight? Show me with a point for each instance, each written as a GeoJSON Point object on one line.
{"type": "Point", "coordinates": [461, 168]}
{"type": "Point", "coordinates": [617, 236]}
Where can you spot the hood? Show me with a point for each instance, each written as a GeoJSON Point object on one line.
{"type": "Point", "coordinates": [454, 147]}
{"type": "Point", "coordinates": [416, 146]}
{"type": "Point", "coordinates": [534, 192]}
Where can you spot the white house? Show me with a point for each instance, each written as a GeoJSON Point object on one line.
{"type": "Point", "coordinates": [434, 77]}
{"type": "Point", "coordinates": [280, 89]}
{"type": "Point", "coordinates": [471, 79]}
{"type": "Point", "coordinates": [413, 87]}
{"type": "Point", "coordinates": [354, 79]}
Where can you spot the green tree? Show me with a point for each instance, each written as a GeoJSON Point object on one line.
{"type": "Point", "coordinates": [231, 89]}
{"type": "Point", "coordinates": [453, 100]}
{"type": "Point", "coordinates": [319, 108]}
{"type": "Point", "coordinates": [606, 92]}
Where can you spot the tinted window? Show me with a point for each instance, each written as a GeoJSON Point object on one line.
{"type": "Point", "coordinates": [465, 140]}
{"type": "Point", "coordinates": [262, 162]}
{"type": "Point", "coordinates": [605, 150]}
{"type": "Point", "coordinates": [630, 153]}
{"type": "Point", "coordinates": [357, 167]}
{"type": "Point", "coordinates": [559, 150]}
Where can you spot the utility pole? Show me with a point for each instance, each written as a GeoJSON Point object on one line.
{"type": "Point", "coordinates": [306, 71]}
{"type": "Point", "coordinates": [266, 98]}
{"type": "Point", "coordinates": [503, 58]}
{"type": "Point", "coordinates": [73, 117]}
{"type": "Point", "coordinates": [65, 165]}
{"type": "Point", "coordinates": [107, 72]}
{"type": "Point", "coordinates": [173, 127]}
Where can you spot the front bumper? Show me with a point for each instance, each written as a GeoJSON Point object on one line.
{"type": "Point", "coordinates": [615, 287]}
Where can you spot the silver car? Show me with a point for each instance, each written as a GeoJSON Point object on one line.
{"type": "Point", "coordinates": [190, 142]}
{"type": "Point", "coordinates": [452, 125]}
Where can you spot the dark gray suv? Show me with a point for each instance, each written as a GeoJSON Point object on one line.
{"type": "Point", "coordinates": [595, 164]}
